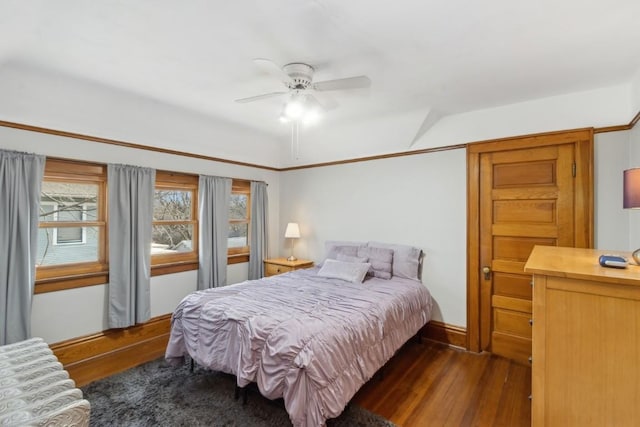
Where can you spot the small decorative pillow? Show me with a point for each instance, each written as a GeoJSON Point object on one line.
{"type": "Point", "coordinates": [348, 258]}
{"type": "Point", "coordinates": [350, 271]}
{"type": "Point", "coordinates": [406, 259]}
{"type": "Point", "coordinates": [381, 260]}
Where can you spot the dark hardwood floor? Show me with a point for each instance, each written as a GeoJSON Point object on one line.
{"type": "Point", "coordinates": [431, 384]}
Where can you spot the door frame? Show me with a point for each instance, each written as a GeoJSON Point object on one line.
{"type": "Point", "coordinates": [584, 217]}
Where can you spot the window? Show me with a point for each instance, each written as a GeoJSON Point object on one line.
{"type": "Point", "coordinates": [65, 212]}
{"type": "Point", "coordinates": [72, 226]}
{"type": "Point", "coordinates": [72, 235]}
{"type": "Point", "coordinates": [239, 217]}
{"type": "Point", "coordinates": [175, 221]}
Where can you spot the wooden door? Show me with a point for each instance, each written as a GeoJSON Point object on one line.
{"type": "Point", "coordinates": [528, 191]}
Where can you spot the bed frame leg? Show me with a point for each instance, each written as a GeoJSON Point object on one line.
{"type": "Point", "coordinates": [192, 365]}
{"type": "Point", "coordinates": [240, 391]}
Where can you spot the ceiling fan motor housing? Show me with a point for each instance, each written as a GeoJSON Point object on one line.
{"type": "Point", "coordinates": [300, 73]}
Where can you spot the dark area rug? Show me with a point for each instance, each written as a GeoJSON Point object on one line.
{"type": "Point", "coordinates": [156, 394]}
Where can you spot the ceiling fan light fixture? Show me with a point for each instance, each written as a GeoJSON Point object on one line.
{"type": "Point", "coordinates": [294, 109]}
{"type": "Point", "coordinates": [283, 118]}
{"type": "Point", "coordinates": [311, 117]}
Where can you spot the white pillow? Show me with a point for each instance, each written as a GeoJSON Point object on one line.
{"type": "Point", "coordinates": [349, 271]}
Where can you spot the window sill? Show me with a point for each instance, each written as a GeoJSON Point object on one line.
{"type": "Point", "coordinates": [237, 259]}
{"type": "Point", "coordinates": [100, 278]}
{"type": "Point", "coordinates": [174, 267]}
{"type": "Point", "coordinates": [70, 282]}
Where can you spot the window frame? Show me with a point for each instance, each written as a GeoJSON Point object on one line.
{"type": "Point", "coordinates": [72, 275]}
{"type": "Point", "coordinates": [183, 261]}
{"type": "Point", "coordinates": [239, 255]}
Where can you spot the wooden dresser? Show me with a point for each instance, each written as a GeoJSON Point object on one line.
{"type": "Point", "coordinates": [586, 339]}
{"type": "Point", "coordinates": [275, 266]}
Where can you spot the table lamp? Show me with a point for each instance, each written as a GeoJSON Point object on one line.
{"type": "Point", "coordinates": [292, 232]}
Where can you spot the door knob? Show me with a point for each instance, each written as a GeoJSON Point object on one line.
{"type": "Point", "coordinates": [487, 272]}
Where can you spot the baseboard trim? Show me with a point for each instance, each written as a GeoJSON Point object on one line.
{"type": "Point", "coordinates": [100, 355]}
{"type": "Point", "coordinates": [445, 333]}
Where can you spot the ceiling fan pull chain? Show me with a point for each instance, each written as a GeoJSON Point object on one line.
{"type": "Point", "coordinates": [296, 125]}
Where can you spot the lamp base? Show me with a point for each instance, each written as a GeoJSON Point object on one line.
{"type": "Point", "coordinates": [636, 256]}
{"type": "Point", "coordinates": [292, 258]}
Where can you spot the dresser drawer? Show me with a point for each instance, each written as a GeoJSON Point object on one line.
{"type": "Point", "coordinates": [273, 269]}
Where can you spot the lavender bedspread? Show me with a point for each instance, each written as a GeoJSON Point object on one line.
{"type": "Point", "coordinates": [312, 341]}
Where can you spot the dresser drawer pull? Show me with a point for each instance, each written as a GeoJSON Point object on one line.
{"type": "Point", "coordinates": [530, 360]}
{"type": "Point", "coordinates": [530, 322]}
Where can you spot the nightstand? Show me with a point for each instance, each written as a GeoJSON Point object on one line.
{"type": "Point", "coordinates": [275, 266]}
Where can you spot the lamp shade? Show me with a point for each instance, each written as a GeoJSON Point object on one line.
{"type": "Point", "coordinates": [292, 231]}
{"type": "Point", "coordinates": [631, 197]}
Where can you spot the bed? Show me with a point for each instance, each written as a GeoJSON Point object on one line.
{"type": "Point", "coordinates": [312, 337]}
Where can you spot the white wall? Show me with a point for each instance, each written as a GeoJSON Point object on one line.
{"type": "Point", "coordinates": [634, 162]}
{"type": "Point", "coordinates": [616, 228]}
{"type": "Point", "coordinates": [416, 200]}
{"type": "Point", "coordinates": [421, 200]}
{"type": "Point", "coordinates": [354, 202]}
{"type": "Point", "coordinates": [635, 92]}
{"type": "Point", "coordinates": [57, 316]}
{"type": "Point", "coordinates": [611, 220]}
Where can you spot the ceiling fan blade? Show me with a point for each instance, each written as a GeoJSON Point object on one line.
{"type": "Point", "coordinates": [324, 99]}
{"type": "Point", "coordinates": [313, 102]}
{"type": "Point", "coordinates": [272, 68]}
{"type": "Point", "coordinates": [259, 97]}
{"type": "Point", "coordinates": [356, 82]}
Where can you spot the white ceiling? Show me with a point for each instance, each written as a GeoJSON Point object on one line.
{"type": "Point", "coordinates": [452, 56]}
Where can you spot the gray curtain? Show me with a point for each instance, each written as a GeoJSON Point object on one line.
{"type": "Point", "coordinates": [131, 191]}
{"type": "Point", "coordinates": [214, 194]}
{"type": "Point", "coordinates": [259, 229]}
{"type": "Point", "coordinates": [20, 183]}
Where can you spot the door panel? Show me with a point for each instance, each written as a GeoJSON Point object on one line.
{"type": "Point", "coordinates": [512, 285]}
{"type": "Point", "coordinates": [515, 211]}
{"type": "Point", "coordinates": [526, 191]}
{"type": "Point", "coordinates": [523, 174]}
{"type": "Point", "coordinates": [512, 322]}
{"type": "Point", "coordinates": [514, 248]}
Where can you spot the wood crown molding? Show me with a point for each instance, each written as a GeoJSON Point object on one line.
{"type": "Point", "coordinates": [101, 140]}
{"type": "Point", "coordinates": [618, 128]}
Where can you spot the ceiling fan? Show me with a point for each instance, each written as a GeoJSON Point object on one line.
{"type": "Point", "coordinates": [297, 77]}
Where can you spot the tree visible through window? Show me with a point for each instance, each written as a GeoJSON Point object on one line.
{"type": "Point", "coordinates": [72, 226]}
{"type": "Point", "coordinates": [175, 222]}
{"type": "Point", "coordinates": [172, 229]}
{"type": "Point", "coordinates": [239, 216]}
